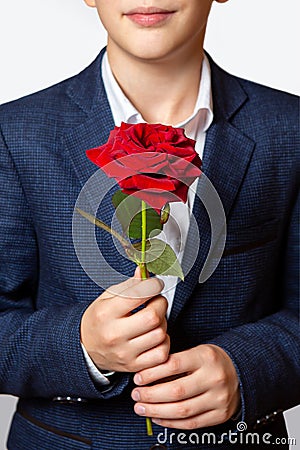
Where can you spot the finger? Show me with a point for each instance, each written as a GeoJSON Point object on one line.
{"type": "Point", "coordinates": [139, 325]}
{"type": "Point", "coordinates": [173, 391]}
{"type": "Point", "coordinates": [207, 419]}
{"type": "Point", "coordinates": [176, 410]}
{"type": "Point", "coordinates": [177, 364]}
{"type": "Point", "coordinates": [151, 287]}
{"type": "Point", "coordinates": [159, 304]}
{"type": "Point", "coordinates": [138, 293]}
{"type": "Point", "coordinates": [117, 289]}
{"type": "Point", "coordinates": [149, 340]}
{"type": "Point", "coordinates": [138, 273]}
{"type": "Point", "coordinates": [155, 356]}
{"type": "Point", "coordinates": [147, 319]}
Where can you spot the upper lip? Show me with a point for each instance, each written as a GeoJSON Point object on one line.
{"type": "Point", "coordinates": [147, 10]}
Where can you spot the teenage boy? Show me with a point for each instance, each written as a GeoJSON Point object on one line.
{"type": "Point", "coordinates": [86, 370]}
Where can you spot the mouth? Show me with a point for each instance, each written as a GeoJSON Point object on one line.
{"type": "Point", "coordinates": [149, 16]}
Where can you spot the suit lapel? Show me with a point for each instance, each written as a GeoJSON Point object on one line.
{"type": "Point", "coordinates": [87, 90]}
{"type": "Point", "coordinates": [226, 157]}
{"type": "Point", "coordinates": [93, 132]}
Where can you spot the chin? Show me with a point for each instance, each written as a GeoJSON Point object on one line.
{"type": "Point", "coordinates": [147, 47]}
{"type": "Point", "coordinates": [151, 56]}
{"type": "Point", "coordinates": [150, 52]}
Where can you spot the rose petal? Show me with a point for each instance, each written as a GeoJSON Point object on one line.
{"type": "Point", "coordinates": [155, 157]}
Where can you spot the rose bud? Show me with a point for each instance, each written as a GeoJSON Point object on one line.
{"type": "Point", "coordinates": [165, 213]}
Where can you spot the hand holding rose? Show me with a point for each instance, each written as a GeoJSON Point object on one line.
{"type": "Point", "coordinates": [120, 341]}
{"type": "Point", "coordinates": [206, 392]}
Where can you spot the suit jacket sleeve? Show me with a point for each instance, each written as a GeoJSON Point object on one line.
{"type": "Point", "coordinates": [41, 354]}
{"type": "Point", "coordinates": [267, 353]}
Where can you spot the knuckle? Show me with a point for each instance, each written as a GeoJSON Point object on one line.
{"type": "Point", "coordinates": [160, 335]}
{"type": "Point", "coordinates": [211, 354]}
{"type": "Point", "coordinates": [110, 338]}
{"type": "Point", "coordinates": [178, 391]}
{"type": "Point", "coordinates": [220, 377]}
{"type": "Point", "coordinates": [162, 355]}
{"type": "Point", "coordinates": [182, 411]}
{"type": "Point", "coordinates": [152, 318]}
{"type": "Point", "coordinates": [175, 365]}
{"type": "Point", "coordinates": [98, 313]}
{"type": "Point", "coordinates": [192, 424]}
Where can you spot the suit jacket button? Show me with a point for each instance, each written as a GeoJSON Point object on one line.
{"type": "Point", "coordinates": [69, 400]}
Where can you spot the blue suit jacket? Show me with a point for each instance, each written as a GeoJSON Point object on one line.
{"type": "Point", "coordinates": [249, 306]}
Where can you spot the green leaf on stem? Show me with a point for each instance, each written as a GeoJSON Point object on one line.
{"type": "Point", "coordinates": [160, 258]}
{"type": "Point", "coordinates": [128, 211]}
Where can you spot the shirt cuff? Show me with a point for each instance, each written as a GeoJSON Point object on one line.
{"type": "Point", "coordinates": [96, 375]}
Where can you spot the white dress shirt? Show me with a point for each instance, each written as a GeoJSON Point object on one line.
{"type": "Point", "coordinates": [176, 229]}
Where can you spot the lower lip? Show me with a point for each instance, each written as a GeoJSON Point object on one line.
{"type": "Point", "coordinates": [149, 20]}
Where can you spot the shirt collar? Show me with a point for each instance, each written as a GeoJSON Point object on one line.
{"type": "Point", "coordinates": [124, 111]}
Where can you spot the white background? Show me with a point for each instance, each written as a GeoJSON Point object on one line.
{"type": "Point", "coordinates": [43, 42]}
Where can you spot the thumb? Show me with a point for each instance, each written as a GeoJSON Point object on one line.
{"type": "Point", "coordinates": [137, 273]}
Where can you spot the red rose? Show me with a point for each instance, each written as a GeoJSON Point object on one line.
{"type": "Point", "coordinates": [156, 163]}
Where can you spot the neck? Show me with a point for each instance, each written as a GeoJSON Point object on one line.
{"type": "Point", "coordinates": [163, 92]}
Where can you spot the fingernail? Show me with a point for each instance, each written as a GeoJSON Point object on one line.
{"type": "Point", "coordinates": [136, 396]}
{"type": "Point", "coordinates": [137, 379]}
{"type": "Point", "coordinates": [140, 410]}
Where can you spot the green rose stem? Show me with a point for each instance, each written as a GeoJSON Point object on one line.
{"type": "Point", "coordinates": [124, 242]}
{"type": "Point", "coordinates": [144, 275]}
{"type": "Point", "coordinates": [143, 243]}
{"type": "Point", "coordinates": [105, 227]}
